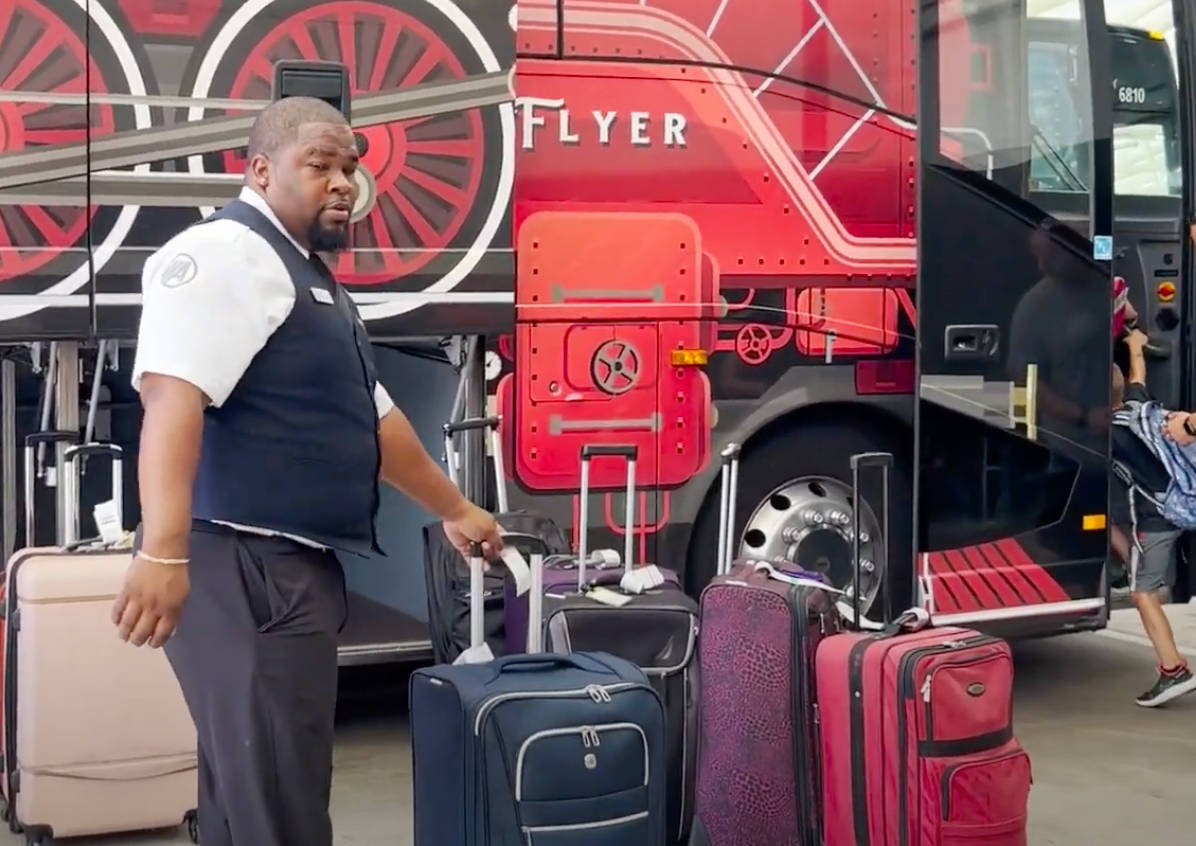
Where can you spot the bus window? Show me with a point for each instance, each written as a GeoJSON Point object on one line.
{"type": "Point", "coordinates": [1145, 111]}
{"type": "Point", "coordinates": [1145, 115]}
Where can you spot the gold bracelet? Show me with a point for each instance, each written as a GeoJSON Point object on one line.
{"type": "Point", "coordinates": [156, 560]}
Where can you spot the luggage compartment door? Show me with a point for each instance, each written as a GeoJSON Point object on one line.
{"type": "Point", "coordinates": [1014, 318]}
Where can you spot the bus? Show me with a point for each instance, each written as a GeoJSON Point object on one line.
{"type": "Point", "coordinates": [858, 227]}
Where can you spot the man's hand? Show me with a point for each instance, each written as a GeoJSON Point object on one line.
{"type": "Point", "coordinates": [1174, 428]}
{"type": "Point", "coordinates": [149, 606]}
{"type": "Point", "coordinates": [474, 525]}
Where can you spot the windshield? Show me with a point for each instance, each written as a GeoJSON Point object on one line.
{"type": "Point", "coordinates": [1145, 111]}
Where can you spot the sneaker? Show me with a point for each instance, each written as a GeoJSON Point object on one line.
{"type": "Point", "coordinates": [1168, 687]}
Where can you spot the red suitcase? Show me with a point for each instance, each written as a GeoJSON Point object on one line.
{"type": "Point", "coordinates": [916, 736]}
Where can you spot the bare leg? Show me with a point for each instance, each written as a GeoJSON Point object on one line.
{"type": "Point", "coordinates": [1158, 629]}
{"type": "Point", "coordinates": [1120, 542]}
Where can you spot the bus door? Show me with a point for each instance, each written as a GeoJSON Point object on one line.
{"type": "Point", "coordinates": [1014, 324]}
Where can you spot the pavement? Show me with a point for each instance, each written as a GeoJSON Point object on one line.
{"type": "Point", "coordinates": [1125, 625]}
{"type": "Point", "coordinates": [1106, 771]}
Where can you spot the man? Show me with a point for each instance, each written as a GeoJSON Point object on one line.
{"type": "Point", "coordinates": [1140, 534]}
{"type": "Point", "coordinates": [265, 433]}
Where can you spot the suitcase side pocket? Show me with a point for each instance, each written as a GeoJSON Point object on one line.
{"type": "Point", "coordinates": [983, 800]}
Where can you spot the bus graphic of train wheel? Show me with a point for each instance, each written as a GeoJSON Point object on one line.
{"type": "Point", "coordinates": [42, 52]}
{"type": "Point", "coordinates": [427, 183]}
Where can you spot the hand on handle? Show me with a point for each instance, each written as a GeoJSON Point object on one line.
{"type": "Point", "coordinates": [474, 526]}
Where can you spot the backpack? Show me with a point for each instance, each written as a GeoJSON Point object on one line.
{"type": "Point", "coordinates": [1147, 420]}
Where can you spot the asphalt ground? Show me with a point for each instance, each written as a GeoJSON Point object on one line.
{"type": "Point", "coordinates": [1106, 771]}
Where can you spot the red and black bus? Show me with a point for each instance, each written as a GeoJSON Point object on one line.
{"type": "Point", "coordinates": [811, 228]}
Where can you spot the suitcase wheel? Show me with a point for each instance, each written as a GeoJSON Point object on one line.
{"type": "Point", "coordinates": [37, 835]}
{"type": "Point", "coordinates": [191, 818]}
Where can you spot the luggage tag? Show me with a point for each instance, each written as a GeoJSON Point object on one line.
{"type": "Point", "coordinates": [108, 521]}
{"type": "Point", "coordinates": [517, 566]}
{"type": "Point", "coordinates": [641, 579]}
{"type": "Point", "coordinates": [804, 581]}
{"type": "Point", "coordinates": [603, 594]}
{"type": "Point", "coordinates": [479, 654]}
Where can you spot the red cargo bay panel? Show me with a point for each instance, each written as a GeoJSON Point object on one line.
{"type": "Point", "coordinates": [594, 340]}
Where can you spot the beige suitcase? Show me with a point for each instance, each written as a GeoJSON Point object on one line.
{"type": "Point", "coordinates": [97, 736]}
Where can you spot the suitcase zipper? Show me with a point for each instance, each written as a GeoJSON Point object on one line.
{"type": "Point", "coordinates": [906, 691]}
{"type": "Point", "coordinates": [589, 739]}
{"type": "Point", "coordinates": [855, 692]}
{"type": "Point", "coordinates": [802, 664]}
{"type": "Point", "coordinates": [597, 692]}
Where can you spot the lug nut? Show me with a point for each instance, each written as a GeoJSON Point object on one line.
{"type": "Point", "coordinates": [839, 517]}
{"type": "Point", "coordinates": [812, 517]}
{"type": "Point", "coordinates": [867, 566]}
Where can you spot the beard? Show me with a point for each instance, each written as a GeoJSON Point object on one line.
{"type": "Point", "coordinates": [325, 239]}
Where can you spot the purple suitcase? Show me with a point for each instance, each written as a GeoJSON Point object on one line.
{"type": "Point", "coordinates": [758, 781]}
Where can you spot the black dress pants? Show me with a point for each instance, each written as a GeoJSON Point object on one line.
{"type": "Point", "coordinates": [255, 655]}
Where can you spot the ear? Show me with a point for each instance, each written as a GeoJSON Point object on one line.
{"type": "Point", "coordinates": [259, 168]}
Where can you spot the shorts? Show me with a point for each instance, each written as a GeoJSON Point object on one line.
{"type": "Point", "coordinates": [1153, 564]}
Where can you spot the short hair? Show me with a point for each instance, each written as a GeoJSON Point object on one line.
{"type": "Point", "coordinates": [278, 124]}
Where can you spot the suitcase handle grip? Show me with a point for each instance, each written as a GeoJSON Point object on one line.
{"type": "Point", "coordinates": [726, 515]}
{"type": "Point", "coordinates": [50, 437]}
{"type": "Point", "coordinates": [539, 662]}
{"type": "Point", "coordinates": [468, 425]}
{"type": "Point", "coordinates": [111, 450]}
{"type": "Point", "coordinates": [450, 453]}
{"type": "Point", "coordinates": [629, 451]}
{"type": "Point", "coordinates": [871, 459]}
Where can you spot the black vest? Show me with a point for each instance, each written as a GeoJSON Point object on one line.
{"type": "Point", "coordinates": [295, 448]}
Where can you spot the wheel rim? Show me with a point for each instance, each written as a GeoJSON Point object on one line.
{"type": "Point", "coordinates": [425, 174]}
{"type": "Point", "coordinates": [809, 521]}
{"type": "Point", "coordinates": [32, 236]}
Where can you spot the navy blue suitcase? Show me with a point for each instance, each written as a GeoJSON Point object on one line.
{"type": "Point", "coordinates": [537, 749]}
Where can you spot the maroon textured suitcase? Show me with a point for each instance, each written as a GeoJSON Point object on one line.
{"type": "Point", "coordinates": [758, 777]}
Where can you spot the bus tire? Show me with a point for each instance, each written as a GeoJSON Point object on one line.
{"type": "Point", "coordinates": [795, 471]}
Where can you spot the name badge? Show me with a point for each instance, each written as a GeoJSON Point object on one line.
{"type": "Point", "coordinates": [321, 296]}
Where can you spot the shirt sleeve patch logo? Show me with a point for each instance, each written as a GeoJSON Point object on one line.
{"type": "Point", "coordinates": [180, 270]}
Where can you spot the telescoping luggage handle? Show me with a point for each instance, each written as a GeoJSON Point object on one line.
{"type": "Point", "coordinates": [884, 461]}
{"type": "Point", "coordinates": [726, 513]}
{"type": "Point", "coordinates": [450, 452]}
{"type": "Point", "coordinates": [70, 480]}
{"type": "Point", "coordinates": [477, 632]}
{"type": "Point", "coordinates": [630, 452]}
{"type": "Point", "coordinates": [31, 443]}
{"type": "Point", "coordinates": [912, 619]}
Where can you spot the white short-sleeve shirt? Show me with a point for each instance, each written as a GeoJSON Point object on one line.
{"type": "Point", "coordinates": [211, 298]}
